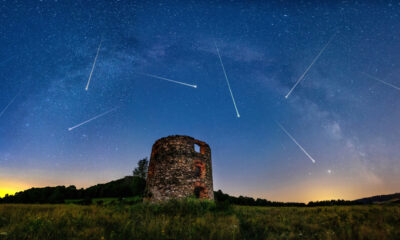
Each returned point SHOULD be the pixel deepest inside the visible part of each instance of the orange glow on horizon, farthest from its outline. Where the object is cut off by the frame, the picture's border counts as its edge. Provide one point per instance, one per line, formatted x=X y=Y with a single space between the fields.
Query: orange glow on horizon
x=3 y=192
x=11 y=188
x=318 y=188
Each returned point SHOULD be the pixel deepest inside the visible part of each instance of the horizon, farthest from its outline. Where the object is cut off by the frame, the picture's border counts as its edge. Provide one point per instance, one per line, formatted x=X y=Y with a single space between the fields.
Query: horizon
x=12 y=193
x=297 y=101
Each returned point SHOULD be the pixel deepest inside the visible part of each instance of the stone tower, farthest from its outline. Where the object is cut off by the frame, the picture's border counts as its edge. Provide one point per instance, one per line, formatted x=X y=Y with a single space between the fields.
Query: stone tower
x=180 y=166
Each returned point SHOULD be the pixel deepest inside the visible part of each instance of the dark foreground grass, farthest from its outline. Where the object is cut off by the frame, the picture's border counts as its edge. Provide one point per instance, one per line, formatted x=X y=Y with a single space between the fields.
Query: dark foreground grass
x=192 y=219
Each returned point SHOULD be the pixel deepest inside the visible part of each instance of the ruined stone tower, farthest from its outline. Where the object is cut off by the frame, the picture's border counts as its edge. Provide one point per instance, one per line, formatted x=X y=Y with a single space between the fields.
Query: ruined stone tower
x=180 y=166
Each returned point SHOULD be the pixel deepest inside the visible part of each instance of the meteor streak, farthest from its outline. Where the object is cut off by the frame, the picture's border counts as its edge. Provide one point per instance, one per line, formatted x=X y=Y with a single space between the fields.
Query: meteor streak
x=94 y=64
x=227 y=81
x=12 y=100
x=386 y=83
x=169 y=80
x=93 y=118
x=312 y=63
x=294 y=140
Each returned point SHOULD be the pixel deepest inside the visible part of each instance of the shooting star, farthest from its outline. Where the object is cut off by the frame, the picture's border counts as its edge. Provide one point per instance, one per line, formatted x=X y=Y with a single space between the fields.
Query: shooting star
x=94 y=64
x=386 y=83
x=169 y=80
x=308 y=68
x=227 y=81
x=294 y=140
x=93 y=118
x=12 y=100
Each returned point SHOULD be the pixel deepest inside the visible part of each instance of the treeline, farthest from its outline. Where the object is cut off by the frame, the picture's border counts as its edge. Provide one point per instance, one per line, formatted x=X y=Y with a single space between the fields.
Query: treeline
x=249 y=201
x=129 y=186
x=132 y=186
x=135 y=186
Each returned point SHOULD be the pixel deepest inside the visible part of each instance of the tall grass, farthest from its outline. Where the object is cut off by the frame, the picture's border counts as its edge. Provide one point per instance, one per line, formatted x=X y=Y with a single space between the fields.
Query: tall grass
x=192 y=219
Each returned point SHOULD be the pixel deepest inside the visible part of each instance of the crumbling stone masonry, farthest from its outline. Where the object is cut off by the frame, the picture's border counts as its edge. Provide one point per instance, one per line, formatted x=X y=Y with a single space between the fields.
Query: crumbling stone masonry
x=180 y=166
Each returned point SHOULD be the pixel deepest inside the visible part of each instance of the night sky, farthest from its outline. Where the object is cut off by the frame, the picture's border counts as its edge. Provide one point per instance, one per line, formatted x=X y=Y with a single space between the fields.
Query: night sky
x=344 y=113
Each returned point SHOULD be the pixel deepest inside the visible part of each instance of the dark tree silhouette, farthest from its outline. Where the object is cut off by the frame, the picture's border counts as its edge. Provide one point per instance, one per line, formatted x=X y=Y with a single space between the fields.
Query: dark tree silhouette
x=129 y=186
x=141 y=169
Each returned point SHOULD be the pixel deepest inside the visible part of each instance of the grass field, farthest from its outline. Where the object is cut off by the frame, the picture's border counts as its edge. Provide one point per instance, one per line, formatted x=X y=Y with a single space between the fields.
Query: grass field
x=191 y=219
x=107 y=201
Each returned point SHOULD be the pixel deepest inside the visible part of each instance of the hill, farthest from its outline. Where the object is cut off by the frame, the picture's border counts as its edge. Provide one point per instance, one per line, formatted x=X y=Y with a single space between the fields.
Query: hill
x=128 y=186
x=389 y=198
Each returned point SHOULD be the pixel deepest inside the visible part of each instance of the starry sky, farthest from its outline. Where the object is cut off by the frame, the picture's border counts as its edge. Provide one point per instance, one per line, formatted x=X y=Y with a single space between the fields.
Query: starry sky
x=344 y=113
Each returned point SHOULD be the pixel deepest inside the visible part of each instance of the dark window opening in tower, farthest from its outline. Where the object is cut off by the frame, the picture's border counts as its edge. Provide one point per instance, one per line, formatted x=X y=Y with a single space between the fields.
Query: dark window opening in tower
x=197 y=171
x=198 y=192
x=197 y=148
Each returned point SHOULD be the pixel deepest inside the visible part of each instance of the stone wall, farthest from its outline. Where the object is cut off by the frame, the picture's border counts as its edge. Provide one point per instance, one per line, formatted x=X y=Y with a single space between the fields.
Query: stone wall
x=176 y=170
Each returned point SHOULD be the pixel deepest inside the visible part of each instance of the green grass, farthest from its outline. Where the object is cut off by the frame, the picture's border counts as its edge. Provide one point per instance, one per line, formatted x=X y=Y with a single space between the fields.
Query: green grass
x=107 y=201
x=192 y=219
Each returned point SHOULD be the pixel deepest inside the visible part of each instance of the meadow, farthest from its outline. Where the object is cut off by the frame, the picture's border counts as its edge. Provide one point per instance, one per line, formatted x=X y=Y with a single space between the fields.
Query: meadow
x=193 y=219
